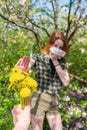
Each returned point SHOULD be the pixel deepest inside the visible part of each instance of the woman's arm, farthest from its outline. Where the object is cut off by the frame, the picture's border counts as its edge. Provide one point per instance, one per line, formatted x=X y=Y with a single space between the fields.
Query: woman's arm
x=63 y=74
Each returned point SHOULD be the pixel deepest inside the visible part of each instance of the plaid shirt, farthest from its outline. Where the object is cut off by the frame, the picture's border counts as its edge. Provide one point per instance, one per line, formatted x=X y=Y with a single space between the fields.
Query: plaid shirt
x=46 y=75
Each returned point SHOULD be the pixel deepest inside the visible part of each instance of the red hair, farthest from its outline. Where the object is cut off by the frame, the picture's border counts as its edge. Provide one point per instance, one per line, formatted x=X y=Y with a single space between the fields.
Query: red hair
x=56 y=35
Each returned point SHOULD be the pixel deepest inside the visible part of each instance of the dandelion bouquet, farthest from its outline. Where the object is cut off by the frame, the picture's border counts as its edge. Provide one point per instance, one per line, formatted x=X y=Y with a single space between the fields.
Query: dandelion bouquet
x=24 y=83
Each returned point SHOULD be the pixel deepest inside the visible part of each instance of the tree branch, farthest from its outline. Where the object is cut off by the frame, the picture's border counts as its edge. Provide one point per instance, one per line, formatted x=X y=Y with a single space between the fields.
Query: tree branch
x=72 y=33
x=36 y=25
x=69 y=21
x=79 y=79
x=24 y=27
x=77 y=8
x=76 y=26
x=55 y=11
x=8 y=48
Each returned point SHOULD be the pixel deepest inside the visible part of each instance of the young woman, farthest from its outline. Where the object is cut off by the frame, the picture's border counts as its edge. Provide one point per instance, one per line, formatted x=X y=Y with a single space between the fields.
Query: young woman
x=51 y=75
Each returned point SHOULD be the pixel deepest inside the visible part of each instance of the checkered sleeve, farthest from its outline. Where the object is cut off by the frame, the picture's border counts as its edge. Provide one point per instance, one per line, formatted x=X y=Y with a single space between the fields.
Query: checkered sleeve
x=63 y=63
x=34 y=56
x=37 y=58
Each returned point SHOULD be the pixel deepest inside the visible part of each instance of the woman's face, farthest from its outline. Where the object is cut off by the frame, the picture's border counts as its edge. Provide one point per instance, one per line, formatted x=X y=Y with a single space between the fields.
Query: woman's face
x=54 y=53
x=58 y=44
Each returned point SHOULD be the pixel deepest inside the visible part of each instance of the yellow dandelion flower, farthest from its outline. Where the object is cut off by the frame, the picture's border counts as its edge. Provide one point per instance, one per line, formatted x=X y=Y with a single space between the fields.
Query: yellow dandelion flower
x=14 y=77
x=34 y=89
x=25 y=92
x=22 y=84
x=31 y=82
x=25 y=73
x=17 y=70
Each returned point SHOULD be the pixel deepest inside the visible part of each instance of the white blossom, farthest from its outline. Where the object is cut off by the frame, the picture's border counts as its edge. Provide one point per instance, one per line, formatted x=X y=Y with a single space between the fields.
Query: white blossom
x=67 y=98
x=84 y=114
x=22 y=2
x=82 y=50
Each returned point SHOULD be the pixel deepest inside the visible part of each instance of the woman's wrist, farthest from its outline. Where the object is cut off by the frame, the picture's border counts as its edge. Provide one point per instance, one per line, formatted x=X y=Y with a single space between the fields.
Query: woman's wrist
x=56 y=63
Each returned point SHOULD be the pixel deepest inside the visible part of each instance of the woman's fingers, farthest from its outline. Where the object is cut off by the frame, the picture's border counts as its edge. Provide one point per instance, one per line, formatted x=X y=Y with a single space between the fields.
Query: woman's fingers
x=19 y=62
x=26 y=61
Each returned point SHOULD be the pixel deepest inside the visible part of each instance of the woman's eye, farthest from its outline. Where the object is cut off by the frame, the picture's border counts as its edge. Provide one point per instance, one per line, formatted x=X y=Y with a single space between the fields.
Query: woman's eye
x=55 y=45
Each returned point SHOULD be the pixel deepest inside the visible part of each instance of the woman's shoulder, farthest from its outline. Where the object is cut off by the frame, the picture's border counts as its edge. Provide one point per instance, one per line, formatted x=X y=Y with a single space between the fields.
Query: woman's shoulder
x=38 y=56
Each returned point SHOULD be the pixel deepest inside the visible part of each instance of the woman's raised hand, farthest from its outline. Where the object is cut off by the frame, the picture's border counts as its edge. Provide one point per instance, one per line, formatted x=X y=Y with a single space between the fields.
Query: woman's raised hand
x=23 y=63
